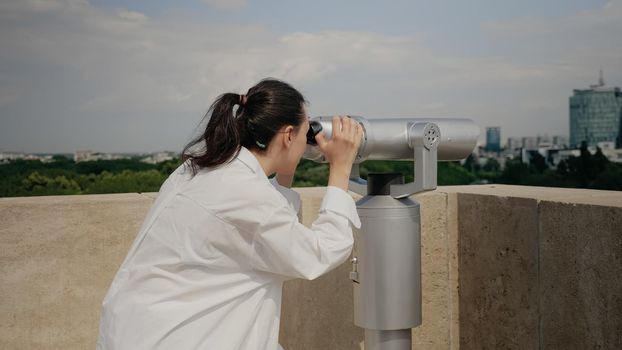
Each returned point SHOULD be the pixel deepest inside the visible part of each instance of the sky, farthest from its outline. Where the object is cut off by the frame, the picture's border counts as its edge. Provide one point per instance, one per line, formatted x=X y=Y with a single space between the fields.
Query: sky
x=139 y=75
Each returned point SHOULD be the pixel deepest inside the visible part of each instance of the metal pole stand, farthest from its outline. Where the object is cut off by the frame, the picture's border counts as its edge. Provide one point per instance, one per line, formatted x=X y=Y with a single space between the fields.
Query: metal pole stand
x=386 y=268
x=400 y=339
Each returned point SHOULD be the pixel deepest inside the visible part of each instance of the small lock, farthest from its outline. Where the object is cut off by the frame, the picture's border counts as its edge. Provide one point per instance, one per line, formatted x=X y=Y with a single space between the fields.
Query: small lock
x=354 y=275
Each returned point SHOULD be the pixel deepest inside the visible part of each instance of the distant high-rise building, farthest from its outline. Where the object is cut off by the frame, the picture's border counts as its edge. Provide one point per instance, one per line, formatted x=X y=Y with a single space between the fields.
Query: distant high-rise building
x=493 y=139
x=530 y=142
x=596 y=114
x=540 y=139
x=514 y=143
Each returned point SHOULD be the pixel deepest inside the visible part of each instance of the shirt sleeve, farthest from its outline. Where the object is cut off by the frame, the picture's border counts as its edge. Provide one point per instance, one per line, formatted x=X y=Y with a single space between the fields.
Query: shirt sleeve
x=293 y=197
x=284 y=246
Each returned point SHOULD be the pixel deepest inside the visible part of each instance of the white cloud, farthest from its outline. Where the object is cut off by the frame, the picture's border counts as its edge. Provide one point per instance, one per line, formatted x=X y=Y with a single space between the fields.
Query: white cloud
x=132 y=16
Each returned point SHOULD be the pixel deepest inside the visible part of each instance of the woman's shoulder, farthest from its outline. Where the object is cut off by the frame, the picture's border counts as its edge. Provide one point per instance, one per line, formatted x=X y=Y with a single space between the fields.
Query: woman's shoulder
x=231 y=188
x=242 y=201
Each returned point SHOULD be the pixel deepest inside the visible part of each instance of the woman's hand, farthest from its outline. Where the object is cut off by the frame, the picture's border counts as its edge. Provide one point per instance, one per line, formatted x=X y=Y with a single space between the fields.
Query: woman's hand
x=341 y=149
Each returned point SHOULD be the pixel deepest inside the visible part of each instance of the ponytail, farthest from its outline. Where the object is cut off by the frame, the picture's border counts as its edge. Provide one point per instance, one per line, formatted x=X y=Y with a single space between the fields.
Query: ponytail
x=267 y=107
x=221 y=137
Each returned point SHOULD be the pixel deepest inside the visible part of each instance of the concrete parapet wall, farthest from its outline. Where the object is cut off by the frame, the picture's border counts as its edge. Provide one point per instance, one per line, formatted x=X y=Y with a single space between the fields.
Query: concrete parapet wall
x=503 y=267
x=540 y=268
x=58 y=255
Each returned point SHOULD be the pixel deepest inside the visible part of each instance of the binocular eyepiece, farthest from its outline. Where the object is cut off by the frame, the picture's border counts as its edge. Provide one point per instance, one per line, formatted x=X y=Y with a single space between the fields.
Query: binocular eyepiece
x=315 y=128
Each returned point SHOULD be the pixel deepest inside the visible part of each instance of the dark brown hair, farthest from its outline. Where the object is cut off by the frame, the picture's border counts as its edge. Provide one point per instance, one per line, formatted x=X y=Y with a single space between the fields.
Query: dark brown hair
x=268 y=106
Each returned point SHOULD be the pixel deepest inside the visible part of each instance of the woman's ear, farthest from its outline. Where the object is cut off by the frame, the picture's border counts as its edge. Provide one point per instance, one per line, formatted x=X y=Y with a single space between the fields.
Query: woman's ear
x=288 y=135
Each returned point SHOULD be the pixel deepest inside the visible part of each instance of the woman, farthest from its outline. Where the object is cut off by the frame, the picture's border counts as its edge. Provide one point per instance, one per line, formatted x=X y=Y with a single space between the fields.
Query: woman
x=207 y=268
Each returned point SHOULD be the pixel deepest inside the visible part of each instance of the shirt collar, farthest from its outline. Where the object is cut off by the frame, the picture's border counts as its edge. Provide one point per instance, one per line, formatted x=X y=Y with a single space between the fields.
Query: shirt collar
x=248 y=158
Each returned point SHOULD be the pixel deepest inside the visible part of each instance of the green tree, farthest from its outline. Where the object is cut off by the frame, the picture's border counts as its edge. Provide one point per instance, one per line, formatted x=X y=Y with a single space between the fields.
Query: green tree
x=309 y=174
x=168 y=166
x=39 y=185
x=127 y=181
x=112 y=166
x=609 y=179
x=471 y=164
x=590 y=171
x=514 y=172
x=492 y=165
x=451 y=173
x=537 y=163
x=35 y=182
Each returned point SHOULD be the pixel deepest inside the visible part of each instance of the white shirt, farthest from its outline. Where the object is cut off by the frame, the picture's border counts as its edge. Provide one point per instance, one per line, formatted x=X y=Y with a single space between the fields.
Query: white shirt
x=207 y=267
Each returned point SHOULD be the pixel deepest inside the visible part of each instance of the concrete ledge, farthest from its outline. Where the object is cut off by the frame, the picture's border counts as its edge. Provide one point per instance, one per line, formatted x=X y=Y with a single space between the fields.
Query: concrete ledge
x=549 y=194
x=507 y=267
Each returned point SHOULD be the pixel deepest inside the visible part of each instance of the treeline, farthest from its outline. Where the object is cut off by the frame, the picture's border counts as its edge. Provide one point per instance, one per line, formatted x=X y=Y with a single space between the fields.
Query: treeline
x=593 y=171
x=63 y=176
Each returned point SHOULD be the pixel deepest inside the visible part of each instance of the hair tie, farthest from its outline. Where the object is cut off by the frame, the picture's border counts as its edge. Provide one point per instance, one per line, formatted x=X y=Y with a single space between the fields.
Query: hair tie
x=252 y=129
x=260 y=145
x=242 y=100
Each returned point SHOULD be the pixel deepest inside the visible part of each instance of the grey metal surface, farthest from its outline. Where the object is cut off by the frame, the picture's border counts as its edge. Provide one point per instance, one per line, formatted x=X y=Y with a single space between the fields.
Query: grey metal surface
x=387 y=293
x=388 y=340
x=388 y=138
x=423 y=138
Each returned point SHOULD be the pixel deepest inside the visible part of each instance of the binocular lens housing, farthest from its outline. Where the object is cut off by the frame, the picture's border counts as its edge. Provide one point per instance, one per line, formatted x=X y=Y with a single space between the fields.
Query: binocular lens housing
x=390 y=138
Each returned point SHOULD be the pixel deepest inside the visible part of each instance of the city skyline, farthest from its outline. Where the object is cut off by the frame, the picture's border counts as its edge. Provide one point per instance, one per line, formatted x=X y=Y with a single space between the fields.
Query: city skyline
x=138 y=76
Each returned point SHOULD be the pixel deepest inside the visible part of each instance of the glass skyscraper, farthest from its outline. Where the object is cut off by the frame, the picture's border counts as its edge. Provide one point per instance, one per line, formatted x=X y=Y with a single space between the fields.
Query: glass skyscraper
x=493 y=139
x=596 y=115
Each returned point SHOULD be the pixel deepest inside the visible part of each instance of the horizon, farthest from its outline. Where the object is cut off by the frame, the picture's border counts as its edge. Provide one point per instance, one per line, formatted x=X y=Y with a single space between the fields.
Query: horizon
x=480 y=143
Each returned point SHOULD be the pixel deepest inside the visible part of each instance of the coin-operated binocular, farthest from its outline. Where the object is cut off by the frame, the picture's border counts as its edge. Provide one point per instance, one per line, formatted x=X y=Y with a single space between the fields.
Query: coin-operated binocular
x=386 y=263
